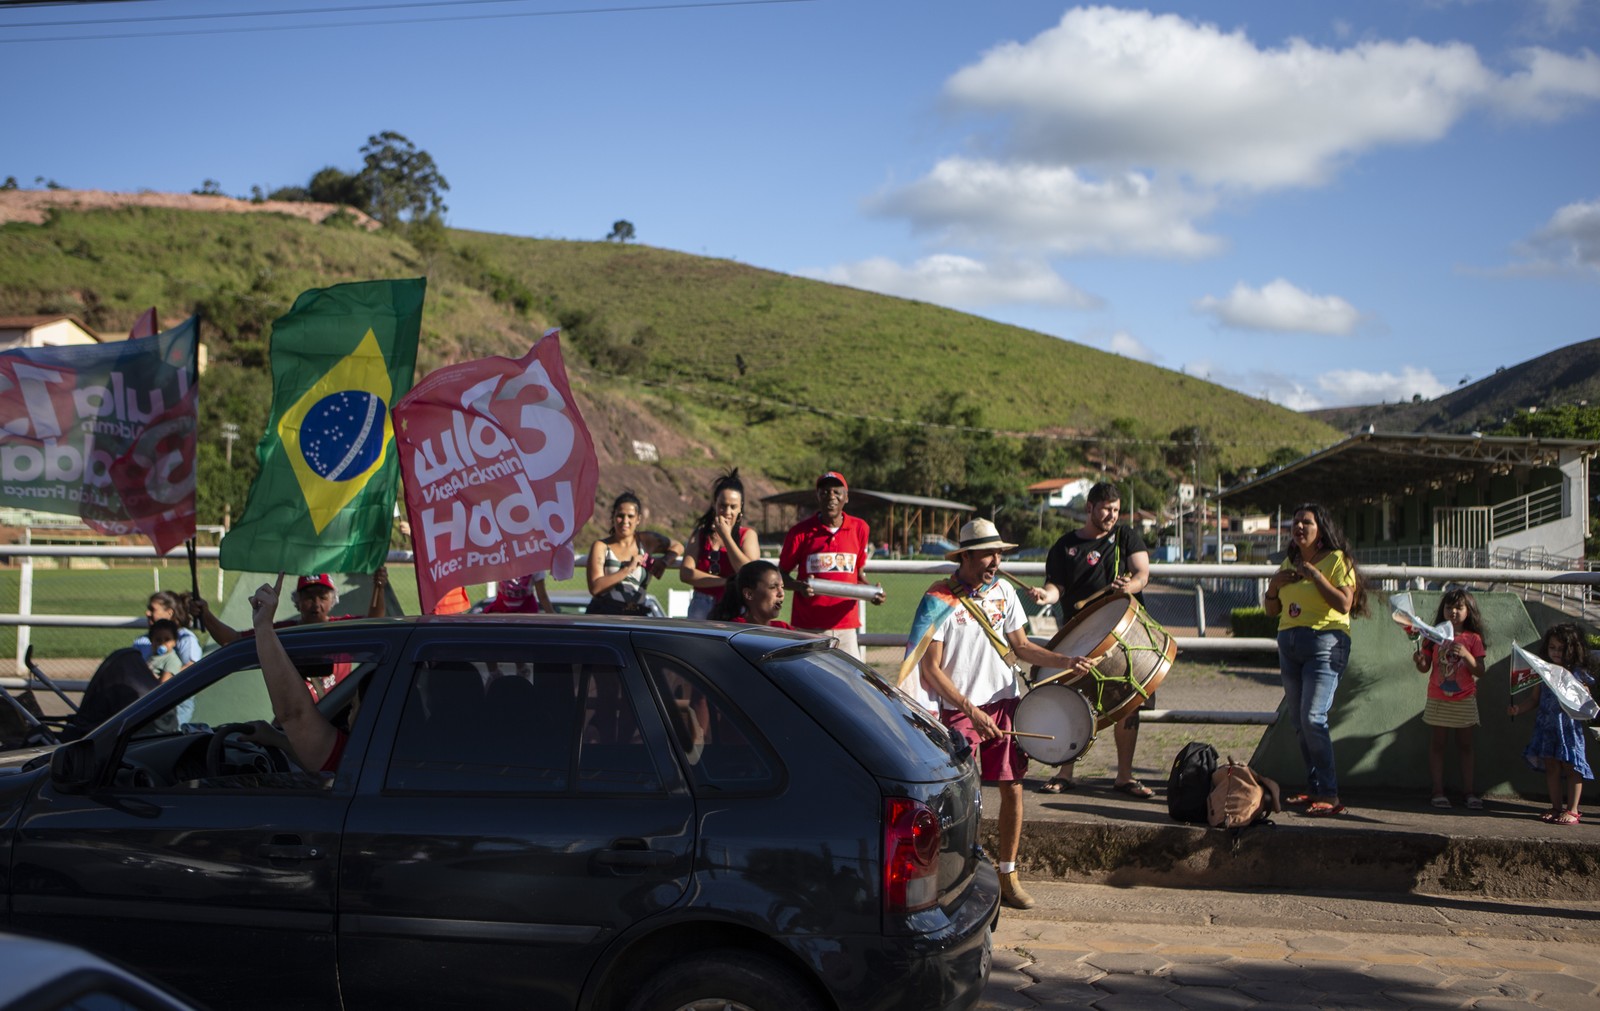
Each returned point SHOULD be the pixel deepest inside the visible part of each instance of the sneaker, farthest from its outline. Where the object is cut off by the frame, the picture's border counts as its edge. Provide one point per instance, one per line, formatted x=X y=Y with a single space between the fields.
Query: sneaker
x=1442 y=801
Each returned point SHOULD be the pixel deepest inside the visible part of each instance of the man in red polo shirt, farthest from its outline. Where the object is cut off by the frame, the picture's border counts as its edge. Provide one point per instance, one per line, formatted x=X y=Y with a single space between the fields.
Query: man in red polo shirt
x=828 y=546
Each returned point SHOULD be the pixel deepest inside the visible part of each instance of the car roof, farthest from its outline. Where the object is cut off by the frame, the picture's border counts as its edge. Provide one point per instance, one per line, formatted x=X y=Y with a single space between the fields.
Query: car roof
x=678 y=626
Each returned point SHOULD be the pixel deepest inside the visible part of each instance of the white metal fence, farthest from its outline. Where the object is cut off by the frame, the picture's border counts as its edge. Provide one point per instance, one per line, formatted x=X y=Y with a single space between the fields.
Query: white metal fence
x=1215 y=589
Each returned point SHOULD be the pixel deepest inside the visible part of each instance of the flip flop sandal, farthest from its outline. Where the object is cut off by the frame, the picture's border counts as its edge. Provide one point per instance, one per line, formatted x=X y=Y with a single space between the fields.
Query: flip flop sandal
x=1323 y=809
x=1440 y=801
x=1297 y=800
x=1550 y=815
x=1474 y=802
x=1134 y=788
x=1566 y=818
x=1057 y=786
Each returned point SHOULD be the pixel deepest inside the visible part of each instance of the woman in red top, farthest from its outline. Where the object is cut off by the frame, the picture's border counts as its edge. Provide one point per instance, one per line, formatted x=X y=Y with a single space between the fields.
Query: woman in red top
x=721 y=545
x=757 y=597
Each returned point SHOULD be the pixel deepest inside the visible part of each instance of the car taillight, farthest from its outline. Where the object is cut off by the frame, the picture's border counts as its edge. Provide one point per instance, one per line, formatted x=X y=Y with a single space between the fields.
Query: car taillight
x=910 y=856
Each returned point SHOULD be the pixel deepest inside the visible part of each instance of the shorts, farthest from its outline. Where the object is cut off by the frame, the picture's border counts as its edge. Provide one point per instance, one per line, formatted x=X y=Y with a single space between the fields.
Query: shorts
x=1000 y=760
x=1451 y=712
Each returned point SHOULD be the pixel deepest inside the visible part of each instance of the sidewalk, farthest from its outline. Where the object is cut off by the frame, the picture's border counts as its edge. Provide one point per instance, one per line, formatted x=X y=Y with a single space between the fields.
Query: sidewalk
x=1393 y=844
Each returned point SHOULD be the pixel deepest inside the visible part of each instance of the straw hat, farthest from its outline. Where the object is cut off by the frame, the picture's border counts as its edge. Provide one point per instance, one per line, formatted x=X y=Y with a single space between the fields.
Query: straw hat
x=978 y=535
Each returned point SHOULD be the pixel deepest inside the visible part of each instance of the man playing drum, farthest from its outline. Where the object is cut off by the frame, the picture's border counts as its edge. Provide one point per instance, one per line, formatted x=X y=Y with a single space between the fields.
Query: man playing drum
x=1099 y=557
x=970 y=633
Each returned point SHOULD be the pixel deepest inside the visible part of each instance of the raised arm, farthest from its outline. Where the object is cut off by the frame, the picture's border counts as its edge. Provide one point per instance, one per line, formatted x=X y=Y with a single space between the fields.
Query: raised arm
x=311 y=737
x=214 y=626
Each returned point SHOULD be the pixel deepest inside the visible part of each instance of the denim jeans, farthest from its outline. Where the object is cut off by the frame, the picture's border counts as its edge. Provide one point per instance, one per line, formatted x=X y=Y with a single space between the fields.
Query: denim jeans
x=700 y=606
x=1310 y=663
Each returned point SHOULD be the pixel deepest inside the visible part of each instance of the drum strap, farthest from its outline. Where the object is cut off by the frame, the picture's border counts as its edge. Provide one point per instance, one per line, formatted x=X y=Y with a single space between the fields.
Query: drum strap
x=1002 y=647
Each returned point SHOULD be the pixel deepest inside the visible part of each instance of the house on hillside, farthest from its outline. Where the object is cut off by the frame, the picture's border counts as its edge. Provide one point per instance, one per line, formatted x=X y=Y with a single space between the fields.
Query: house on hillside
x=1062 y=492
x=43 y=332
x=1427 y=499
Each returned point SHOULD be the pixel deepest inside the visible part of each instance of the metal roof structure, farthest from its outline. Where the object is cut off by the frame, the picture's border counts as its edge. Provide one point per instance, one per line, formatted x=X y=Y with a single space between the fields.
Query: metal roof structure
x=907 y=525
x=808 y=497
x=1374 y=464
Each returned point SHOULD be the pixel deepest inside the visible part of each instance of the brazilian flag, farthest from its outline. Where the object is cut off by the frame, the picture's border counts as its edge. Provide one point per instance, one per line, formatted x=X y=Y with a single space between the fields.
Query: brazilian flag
x=324 y=499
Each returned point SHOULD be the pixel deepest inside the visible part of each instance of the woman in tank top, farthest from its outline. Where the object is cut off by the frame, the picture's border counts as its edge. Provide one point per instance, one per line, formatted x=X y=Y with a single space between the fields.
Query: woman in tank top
x=721 y=546
x=621 y=565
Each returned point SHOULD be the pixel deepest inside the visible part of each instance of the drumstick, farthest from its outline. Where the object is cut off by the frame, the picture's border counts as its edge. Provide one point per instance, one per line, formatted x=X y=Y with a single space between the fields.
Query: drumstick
x=1023 y=733
x=1014 y=580
x=1061 y=674
x=1096 y=594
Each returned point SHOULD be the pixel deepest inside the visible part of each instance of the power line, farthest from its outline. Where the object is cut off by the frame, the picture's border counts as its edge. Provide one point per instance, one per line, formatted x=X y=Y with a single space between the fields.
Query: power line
x=565 y=12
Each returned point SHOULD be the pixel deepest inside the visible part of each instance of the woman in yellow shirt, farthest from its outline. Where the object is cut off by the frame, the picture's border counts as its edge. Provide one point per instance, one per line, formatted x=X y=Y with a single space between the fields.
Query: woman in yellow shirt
x=1314 y=595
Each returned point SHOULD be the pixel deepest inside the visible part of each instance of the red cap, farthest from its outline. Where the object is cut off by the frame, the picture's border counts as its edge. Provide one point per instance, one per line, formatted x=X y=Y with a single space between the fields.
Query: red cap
x=834 y=475
x=320 y=579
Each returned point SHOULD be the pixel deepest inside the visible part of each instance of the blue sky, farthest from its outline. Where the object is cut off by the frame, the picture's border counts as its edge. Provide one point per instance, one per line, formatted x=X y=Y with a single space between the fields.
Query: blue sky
x=1320 y=204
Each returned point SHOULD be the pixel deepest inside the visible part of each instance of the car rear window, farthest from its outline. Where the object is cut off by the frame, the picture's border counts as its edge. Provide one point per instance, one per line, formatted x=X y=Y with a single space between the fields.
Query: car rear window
x=877 y=722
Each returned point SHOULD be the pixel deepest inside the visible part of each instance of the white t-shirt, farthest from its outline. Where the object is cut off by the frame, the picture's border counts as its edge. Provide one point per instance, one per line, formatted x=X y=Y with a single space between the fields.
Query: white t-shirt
x=970 y=658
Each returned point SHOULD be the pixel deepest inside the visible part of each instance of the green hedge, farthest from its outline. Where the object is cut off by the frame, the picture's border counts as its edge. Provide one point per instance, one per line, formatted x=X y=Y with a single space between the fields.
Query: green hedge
x=1254 y=623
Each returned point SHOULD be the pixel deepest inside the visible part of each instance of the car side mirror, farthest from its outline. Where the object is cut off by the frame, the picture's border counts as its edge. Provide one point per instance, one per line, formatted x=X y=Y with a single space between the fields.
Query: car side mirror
x=73 y=768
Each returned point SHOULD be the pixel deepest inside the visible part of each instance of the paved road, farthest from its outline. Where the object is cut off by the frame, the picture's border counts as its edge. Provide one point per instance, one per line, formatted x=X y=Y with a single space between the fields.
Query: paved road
x=1148 y=948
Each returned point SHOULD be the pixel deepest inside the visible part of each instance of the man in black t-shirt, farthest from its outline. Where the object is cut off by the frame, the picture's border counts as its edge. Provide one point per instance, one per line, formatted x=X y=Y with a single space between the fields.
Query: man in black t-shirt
x=1097 y=555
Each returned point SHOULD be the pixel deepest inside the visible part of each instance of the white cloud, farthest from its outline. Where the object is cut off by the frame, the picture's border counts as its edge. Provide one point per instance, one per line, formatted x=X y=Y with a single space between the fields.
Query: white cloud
x=1355 y=386
x=1280 y=307
x=1335 y=388
x=1112 y=90
x=1571 y=238
x=1550 y=86
x=1126 y=344
x=960 y=281
x=1051 y=209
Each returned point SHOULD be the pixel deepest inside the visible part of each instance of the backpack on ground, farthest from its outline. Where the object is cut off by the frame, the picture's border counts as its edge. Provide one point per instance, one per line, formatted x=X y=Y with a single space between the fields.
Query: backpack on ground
x=1240 y=797
x=1190 y=782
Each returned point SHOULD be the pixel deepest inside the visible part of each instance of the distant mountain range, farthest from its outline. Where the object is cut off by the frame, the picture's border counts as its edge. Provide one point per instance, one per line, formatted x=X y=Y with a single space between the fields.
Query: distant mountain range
x=1569 y=375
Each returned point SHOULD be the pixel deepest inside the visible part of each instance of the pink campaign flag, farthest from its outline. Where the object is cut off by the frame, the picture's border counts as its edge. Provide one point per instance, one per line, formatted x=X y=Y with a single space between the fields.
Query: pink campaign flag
x=499 y=470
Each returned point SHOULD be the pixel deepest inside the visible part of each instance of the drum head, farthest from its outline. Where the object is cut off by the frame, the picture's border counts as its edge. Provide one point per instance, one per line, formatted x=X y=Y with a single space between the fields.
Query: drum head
x=1060 y=712
x=1089 y=632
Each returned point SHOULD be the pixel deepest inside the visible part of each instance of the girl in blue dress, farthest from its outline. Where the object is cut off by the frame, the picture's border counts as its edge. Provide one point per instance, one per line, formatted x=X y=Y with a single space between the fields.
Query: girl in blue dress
x=1558 y=745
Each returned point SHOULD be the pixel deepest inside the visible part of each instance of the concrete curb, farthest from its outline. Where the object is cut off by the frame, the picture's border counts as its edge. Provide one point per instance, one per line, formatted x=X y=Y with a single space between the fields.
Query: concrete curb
x=1380 y=846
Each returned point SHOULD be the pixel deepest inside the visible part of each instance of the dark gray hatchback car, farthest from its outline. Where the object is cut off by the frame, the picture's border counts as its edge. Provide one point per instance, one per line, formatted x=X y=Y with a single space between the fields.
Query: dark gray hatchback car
x=541 y=812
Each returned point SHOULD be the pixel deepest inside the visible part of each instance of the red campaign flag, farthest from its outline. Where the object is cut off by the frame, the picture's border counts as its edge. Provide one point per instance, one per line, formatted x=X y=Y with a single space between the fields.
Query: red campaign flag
x=146 y=325
x=499 y=469
x=155 y=479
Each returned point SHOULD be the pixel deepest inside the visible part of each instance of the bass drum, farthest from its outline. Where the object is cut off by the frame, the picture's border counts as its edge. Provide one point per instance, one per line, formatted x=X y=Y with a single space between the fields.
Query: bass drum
x=1130 y=650
x=1060 y=713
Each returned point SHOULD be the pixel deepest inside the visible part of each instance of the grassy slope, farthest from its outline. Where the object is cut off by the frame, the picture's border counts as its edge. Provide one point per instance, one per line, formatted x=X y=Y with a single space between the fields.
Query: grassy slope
x=815 y=344
x=682 y=319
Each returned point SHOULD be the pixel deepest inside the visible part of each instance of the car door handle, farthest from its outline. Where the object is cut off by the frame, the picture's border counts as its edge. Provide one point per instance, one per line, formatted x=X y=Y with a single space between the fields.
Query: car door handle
x=633 y=854
x=288 y=848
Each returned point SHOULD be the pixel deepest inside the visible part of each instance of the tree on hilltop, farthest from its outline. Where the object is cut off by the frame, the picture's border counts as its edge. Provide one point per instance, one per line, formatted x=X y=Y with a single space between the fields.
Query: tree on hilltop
x=621 y=231
x=336 y=186
x=402 y=182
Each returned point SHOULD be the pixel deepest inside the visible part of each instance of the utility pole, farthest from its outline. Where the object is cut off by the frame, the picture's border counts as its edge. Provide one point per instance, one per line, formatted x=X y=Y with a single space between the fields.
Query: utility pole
x=230 y=432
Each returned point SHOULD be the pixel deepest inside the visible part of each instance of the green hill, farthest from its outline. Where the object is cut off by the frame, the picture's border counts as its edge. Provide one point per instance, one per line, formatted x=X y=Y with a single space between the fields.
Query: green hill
x=1568 y=375
x=715 y=362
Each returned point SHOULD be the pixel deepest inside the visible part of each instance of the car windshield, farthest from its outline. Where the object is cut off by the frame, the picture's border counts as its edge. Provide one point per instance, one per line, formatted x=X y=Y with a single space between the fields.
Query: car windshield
x=889 y=734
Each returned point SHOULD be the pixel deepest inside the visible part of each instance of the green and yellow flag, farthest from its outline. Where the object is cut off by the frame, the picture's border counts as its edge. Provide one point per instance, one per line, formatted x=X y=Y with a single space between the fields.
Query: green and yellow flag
x=324 y=499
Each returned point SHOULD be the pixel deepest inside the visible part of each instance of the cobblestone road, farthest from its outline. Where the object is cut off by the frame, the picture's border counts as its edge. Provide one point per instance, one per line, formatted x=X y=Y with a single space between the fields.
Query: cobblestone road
x=1233 y=950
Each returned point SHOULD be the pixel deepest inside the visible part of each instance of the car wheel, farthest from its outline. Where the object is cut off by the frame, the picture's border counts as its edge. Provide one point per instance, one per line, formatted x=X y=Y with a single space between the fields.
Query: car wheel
x=725 y=980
